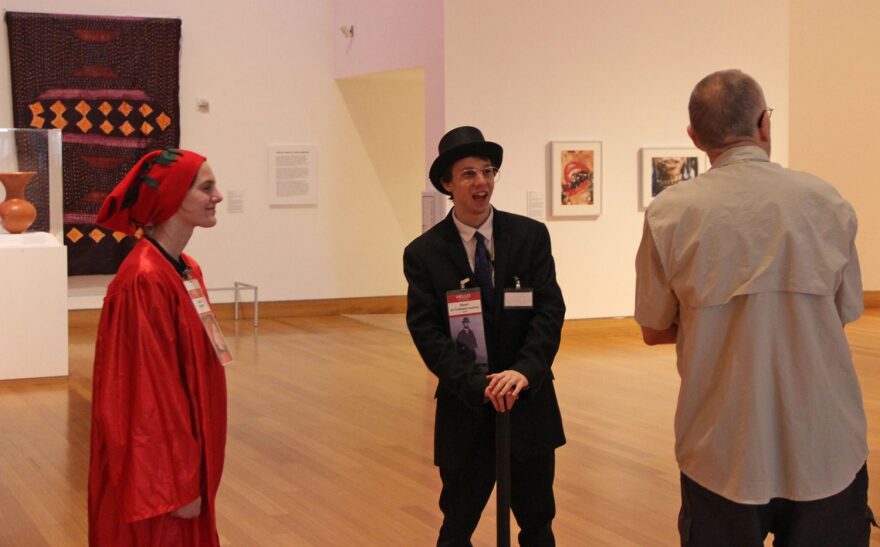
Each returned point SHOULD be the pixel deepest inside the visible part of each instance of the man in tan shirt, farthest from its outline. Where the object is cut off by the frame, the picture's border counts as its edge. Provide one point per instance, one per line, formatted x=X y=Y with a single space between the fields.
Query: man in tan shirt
x=752 y=271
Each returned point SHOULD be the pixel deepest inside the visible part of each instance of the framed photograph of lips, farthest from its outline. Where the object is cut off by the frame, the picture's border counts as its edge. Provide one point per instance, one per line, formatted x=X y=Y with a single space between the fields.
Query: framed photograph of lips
x=575 y=188
x=665 y=167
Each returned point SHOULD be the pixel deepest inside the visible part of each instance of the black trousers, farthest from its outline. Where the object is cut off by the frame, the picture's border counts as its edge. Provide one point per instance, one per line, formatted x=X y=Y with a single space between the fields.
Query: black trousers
x=842 y=520
x=467 y=489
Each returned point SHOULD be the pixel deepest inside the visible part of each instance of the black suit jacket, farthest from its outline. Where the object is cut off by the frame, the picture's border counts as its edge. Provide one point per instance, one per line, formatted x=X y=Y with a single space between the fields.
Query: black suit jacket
x=523 y=340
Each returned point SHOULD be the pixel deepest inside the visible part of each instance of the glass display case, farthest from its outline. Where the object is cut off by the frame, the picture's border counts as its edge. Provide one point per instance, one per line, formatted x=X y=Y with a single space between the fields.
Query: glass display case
x=30 y=180
x=33 y=277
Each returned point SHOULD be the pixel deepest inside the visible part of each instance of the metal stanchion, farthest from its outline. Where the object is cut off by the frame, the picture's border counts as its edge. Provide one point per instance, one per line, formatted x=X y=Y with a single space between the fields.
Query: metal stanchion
x=236 y=288
x=502 y=474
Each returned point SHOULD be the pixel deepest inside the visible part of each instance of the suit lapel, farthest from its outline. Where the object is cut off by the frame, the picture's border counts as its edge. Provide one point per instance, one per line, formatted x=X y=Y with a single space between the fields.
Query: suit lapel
x=501 y=233
x=455 y=249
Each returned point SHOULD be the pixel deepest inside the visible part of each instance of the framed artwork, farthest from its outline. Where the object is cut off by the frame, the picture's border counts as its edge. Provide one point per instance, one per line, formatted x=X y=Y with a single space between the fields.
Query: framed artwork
x=575 y=187
x=665 y=167
x=110 y=85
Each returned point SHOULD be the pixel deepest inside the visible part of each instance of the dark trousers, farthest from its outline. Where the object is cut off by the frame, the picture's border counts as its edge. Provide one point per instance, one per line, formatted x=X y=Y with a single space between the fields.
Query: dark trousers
x=467 y=489
x=842 y=520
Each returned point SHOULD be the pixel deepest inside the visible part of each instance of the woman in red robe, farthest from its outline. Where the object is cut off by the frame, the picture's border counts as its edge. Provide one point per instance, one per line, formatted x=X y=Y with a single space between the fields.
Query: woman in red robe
x=159 y=392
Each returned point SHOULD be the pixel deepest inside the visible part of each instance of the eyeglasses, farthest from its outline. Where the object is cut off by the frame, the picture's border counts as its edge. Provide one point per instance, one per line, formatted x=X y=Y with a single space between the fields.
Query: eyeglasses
x=489 y=173
x=768 y=111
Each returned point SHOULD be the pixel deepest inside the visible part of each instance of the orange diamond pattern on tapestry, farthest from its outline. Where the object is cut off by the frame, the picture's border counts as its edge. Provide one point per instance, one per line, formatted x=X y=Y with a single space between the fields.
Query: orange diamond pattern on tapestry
x=36 y=109
x=84 y=124
x=58 y=108
x=163 y=120
x=144 y=121
x=74 y=235
x=96 y=235
x=119 y=236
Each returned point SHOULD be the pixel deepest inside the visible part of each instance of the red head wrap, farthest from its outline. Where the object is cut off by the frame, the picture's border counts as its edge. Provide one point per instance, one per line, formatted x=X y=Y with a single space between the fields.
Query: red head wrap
x=152 y=191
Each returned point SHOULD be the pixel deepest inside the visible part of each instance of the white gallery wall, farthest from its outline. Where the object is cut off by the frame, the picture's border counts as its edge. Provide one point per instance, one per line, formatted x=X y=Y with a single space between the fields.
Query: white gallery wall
x=267 y=69
x=528 y=73
x=390 y=35
x=835 y=112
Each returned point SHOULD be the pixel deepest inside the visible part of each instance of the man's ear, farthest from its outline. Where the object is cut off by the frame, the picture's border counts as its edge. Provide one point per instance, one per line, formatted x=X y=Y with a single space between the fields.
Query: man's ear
x=764 y=129
x=693 y=135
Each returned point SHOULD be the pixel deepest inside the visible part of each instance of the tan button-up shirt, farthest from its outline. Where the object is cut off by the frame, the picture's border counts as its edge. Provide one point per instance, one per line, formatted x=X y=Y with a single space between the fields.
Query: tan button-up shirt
x=758 y=266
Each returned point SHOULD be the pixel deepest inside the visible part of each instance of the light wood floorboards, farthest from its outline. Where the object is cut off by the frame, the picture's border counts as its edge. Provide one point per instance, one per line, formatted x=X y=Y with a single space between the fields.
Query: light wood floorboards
x=330 y=436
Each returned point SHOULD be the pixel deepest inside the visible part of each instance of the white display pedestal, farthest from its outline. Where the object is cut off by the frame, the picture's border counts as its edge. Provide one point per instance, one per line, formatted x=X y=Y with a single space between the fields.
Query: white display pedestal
x=33 y=306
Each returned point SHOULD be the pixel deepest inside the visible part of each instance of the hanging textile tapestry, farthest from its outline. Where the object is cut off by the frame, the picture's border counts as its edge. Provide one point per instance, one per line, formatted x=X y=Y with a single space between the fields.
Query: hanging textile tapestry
x=111 y=85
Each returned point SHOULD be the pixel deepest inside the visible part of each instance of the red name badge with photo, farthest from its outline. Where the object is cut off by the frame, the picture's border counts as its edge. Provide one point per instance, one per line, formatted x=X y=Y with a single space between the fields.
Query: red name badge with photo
x=466 y=326
x=209 y=322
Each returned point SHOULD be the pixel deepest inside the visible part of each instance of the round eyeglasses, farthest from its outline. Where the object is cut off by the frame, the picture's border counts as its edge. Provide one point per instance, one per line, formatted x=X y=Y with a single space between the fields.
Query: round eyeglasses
x=489 y=173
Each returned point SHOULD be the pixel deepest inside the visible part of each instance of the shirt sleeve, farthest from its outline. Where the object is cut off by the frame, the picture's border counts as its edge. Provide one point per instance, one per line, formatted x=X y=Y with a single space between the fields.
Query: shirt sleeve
x=656 y=304
x=849 y=298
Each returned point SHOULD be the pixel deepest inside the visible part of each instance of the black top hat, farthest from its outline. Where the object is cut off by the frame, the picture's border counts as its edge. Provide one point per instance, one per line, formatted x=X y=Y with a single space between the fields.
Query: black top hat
x=459 y=143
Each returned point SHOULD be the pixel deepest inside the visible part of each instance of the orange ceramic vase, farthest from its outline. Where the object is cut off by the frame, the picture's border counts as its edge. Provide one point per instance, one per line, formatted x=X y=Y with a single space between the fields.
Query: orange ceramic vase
x=16 y=213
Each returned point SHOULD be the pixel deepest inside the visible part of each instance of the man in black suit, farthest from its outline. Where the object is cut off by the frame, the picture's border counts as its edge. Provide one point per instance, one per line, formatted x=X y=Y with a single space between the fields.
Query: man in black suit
x=508 y=257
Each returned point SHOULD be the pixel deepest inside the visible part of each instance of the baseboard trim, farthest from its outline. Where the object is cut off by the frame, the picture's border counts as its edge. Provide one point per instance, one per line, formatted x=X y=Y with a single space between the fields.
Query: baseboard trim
x=286 y=308
x=329 y=306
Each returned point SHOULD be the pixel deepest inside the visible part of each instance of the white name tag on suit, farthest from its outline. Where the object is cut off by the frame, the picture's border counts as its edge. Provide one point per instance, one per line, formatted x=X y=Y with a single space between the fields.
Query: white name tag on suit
x=518 y=299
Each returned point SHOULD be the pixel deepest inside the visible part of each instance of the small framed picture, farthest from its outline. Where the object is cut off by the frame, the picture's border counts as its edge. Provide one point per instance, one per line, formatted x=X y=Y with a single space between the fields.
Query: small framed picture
x=575 y=188
x=665 y=167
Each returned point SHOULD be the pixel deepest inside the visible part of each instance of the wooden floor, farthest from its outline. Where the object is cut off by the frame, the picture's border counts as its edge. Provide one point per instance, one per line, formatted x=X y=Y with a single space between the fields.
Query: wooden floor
x=330 y=437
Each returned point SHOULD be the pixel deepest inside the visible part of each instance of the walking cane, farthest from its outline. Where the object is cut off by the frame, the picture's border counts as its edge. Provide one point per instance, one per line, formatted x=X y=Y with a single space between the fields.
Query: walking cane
x=502 y=474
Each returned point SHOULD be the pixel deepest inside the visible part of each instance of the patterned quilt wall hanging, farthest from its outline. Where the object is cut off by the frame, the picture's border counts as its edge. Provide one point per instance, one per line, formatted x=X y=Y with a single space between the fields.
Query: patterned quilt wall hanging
x=111 y=85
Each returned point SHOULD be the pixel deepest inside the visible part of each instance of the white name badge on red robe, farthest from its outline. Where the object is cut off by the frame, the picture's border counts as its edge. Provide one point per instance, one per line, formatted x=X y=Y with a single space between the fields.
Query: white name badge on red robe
x=209 y=322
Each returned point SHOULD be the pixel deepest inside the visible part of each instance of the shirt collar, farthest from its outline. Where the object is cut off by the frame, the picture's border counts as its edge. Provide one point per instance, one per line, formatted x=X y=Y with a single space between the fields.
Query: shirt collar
x=741 y=153
x=467 y=232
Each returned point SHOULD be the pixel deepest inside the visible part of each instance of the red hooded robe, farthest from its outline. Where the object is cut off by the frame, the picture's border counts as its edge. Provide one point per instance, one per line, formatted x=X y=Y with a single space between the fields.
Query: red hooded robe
x=158 y=411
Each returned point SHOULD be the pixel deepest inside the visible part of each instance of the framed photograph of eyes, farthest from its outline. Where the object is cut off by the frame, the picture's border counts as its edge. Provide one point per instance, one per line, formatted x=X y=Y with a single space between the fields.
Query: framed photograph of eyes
x=575 y=187
x=665 y=167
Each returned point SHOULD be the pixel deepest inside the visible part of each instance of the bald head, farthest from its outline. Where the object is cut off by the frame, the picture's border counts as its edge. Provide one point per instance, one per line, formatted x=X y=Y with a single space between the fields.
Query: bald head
x=725 y=107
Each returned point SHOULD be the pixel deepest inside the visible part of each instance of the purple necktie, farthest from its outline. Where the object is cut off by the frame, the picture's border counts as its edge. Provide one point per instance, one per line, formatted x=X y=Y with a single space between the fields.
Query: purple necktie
x=483 y=271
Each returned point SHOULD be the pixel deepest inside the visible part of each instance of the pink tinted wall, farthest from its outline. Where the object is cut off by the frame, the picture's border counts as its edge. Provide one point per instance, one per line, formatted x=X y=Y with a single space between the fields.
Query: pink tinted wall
x=391 y=35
